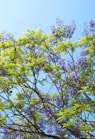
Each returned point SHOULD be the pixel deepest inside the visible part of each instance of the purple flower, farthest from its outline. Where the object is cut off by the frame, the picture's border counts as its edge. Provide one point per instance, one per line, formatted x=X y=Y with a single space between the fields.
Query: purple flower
x=41 y=122
x=89 y=82
x=58 y=101
x=58 y=128
x=55 y=58
x=81 y=60
x=66 y=76
x=18 y=136
x=71 y=90
x=74 y=76
x=69 y=30
x=6 y=36
x=49 y=74
x=53 y=29
x=82 y=53
x=46 y=112
x=92 y=24
x=90 y=29
x=59 y=23
x=50 y=130
x=6 y=130
x=70 y=65
x=62 y=64
x=66 y=30
x=85 y=32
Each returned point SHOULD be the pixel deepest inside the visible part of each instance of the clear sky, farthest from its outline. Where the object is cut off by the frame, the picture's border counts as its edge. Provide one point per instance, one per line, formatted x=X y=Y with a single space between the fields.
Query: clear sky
x=18 y=15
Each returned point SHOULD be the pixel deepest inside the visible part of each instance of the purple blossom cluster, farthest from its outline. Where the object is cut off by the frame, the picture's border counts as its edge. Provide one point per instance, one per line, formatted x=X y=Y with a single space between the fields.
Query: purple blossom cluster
x=6 y=36
x=90 y=28
x=66 y=31
x=62 y=64
x=69 y=30
x=74 y=76
x=81 y=60
x=73 y=79
x=50 y=130
x=58 y=101
x=59 y=23
x=55 y=57
x=70 y=65
x=71 y=90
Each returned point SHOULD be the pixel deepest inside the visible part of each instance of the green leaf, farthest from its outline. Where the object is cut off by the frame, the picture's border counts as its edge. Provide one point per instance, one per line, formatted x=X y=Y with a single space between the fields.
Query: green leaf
x=10 y=104
x=2 y=118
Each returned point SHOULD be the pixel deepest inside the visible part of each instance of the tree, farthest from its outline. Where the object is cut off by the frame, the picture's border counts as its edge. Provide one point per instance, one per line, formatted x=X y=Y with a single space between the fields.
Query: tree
x=44 y=94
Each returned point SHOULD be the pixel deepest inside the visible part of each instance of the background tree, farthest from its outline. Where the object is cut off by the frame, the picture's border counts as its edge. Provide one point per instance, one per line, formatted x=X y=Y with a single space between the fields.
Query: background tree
x=43 y=94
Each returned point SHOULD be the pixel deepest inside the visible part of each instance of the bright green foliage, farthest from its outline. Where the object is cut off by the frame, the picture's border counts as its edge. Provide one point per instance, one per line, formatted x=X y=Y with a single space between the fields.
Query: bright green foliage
x=43 y=95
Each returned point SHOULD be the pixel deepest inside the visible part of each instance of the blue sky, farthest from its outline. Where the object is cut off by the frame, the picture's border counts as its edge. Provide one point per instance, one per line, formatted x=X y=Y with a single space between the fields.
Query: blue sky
x=18 y=15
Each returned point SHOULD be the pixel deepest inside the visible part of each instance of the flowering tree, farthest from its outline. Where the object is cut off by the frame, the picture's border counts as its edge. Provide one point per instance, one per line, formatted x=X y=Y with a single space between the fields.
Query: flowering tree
x=43 y=94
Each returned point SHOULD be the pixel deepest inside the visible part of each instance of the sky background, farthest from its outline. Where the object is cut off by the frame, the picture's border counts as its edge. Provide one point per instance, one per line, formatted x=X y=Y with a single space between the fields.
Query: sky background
x=18 y=15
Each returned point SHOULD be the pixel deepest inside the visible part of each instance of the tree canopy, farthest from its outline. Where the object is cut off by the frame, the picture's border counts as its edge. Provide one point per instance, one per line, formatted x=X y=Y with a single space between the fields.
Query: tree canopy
x=46 y=92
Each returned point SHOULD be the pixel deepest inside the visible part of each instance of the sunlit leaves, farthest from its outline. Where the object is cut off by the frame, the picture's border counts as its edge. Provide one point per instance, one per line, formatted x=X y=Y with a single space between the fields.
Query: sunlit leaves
x=2 y=119
x=42 y=91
